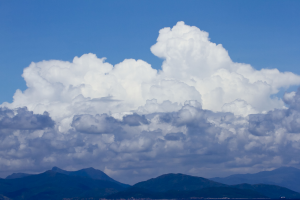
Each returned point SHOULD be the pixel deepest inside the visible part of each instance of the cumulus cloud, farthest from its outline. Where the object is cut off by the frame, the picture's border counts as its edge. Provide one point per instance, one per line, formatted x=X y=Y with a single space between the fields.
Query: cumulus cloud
x=194 y=68
x=95 y=124
x=191 y=140
x=201 y=114
x=23 y=119
x=191 y=57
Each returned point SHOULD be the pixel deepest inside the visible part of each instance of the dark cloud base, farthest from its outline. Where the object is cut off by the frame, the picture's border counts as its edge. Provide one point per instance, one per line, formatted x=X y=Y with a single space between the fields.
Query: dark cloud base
x=192 y=141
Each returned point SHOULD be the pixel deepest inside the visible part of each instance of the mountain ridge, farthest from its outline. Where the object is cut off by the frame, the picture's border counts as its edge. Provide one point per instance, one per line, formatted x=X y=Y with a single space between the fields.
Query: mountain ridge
x=90 y=183
x=54 y=185
x=17 y=175
x=284 y=176
x=177 y=182
x=86 y=172
x=169 y=186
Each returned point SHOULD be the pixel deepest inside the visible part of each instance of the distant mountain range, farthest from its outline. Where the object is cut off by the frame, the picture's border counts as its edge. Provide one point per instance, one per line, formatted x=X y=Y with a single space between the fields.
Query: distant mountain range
x=171 y=186
x=87 y=172
x=288 y=177
x=58 y=184
x=90 y=183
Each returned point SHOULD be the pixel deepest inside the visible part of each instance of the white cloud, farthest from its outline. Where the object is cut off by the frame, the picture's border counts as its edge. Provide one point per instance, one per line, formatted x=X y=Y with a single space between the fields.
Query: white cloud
x=192 y=58
x=130 y=119
x=239 y=107
x=194 y=69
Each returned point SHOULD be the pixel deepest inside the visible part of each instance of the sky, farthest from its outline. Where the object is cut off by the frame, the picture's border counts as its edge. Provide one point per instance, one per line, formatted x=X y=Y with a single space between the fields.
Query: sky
x=142 y=88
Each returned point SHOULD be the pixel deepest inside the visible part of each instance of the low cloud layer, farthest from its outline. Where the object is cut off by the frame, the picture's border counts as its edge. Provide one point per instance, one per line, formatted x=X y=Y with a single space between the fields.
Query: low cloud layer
x=202 y=114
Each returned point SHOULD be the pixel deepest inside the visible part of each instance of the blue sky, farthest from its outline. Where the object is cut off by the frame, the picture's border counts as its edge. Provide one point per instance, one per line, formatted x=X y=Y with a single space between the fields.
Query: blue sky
x=264 y=34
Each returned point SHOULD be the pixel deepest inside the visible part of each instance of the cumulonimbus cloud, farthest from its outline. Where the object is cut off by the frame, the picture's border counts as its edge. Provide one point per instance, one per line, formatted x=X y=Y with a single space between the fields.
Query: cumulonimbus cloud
x=194 y=68
x=200 y=112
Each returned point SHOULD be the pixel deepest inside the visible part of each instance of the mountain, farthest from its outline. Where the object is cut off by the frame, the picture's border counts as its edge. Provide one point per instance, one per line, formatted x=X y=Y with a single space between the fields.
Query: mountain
x=17 y=175
x=210 y=192
x=288 y=177
x=177 y=182
x=271 y=191
x=52 y=185
x=89 y=173
x=57 y=184
x=185 y=186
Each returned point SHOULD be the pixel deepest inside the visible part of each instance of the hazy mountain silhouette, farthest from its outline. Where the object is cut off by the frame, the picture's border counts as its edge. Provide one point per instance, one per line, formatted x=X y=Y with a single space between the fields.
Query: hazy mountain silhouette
x=88 y=173
x=90 y=183
x=177 y=182
x=53 y=185
x=17 y=175
x=288 y=177
x=178 y=186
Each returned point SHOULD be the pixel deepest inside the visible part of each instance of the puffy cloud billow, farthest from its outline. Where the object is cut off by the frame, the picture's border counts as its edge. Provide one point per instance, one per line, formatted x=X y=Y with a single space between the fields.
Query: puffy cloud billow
x=202 y=114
